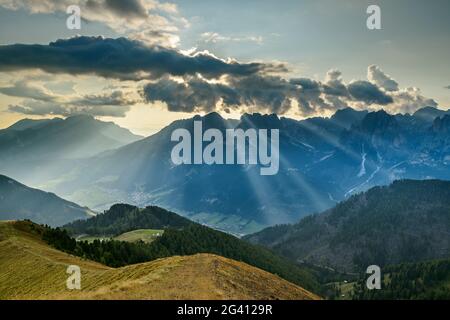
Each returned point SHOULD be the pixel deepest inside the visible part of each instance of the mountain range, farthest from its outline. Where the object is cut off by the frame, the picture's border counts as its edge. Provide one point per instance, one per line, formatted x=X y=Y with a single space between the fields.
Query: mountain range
x=32 y=151
x=322 y=161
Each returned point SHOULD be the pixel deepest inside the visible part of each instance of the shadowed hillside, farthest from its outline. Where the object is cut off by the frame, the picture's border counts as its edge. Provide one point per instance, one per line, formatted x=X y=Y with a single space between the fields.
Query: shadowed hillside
x=407 y=221
x=18 y=201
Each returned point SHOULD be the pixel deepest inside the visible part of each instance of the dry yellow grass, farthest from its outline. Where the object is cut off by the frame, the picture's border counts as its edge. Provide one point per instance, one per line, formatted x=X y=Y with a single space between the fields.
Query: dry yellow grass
x=30 y=269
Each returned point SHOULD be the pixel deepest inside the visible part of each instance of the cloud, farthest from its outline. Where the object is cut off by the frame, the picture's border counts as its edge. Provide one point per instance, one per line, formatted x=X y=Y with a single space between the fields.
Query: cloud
x=409 y=100
x=369 y=93
x=34 y=107
x=138 y=19
x=38 y=100
x=214 y=37
x=26 y=89
x=132 y=8
x=101 y=111
x=275 y=94
x=41 y=108
x=193 y=81
x=376 y=76
x=115 y=98
x=193 y=95
x=120 y=58
x=271 y=94
x=334 y=85
x=60 y=86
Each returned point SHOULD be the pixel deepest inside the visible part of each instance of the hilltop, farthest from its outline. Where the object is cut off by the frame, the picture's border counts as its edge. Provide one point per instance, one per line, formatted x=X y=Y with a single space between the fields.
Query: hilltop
x=31 y=269
x=180 y=237
x=121 y=218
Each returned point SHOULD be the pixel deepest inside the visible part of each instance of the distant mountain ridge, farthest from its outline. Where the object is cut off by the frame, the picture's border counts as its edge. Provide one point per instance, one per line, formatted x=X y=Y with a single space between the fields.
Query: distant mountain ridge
x=18 y=201
x=33 y=150
x=407 y=221
x=32 y=123
x=429 y=114
x=323 y=161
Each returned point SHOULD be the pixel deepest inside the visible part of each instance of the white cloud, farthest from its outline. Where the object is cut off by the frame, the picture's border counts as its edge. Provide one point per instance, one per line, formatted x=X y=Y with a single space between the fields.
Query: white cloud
x=26 y=89
x=378 y=77
x=147 y=20
x=409 y=100
x=39 y=100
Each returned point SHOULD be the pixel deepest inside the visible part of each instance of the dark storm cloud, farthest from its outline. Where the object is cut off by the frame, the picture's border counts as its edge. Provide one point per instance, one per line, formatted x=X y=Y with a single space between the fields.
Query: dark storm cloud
x=369 y=93
x=127 y=8
x=306 y=84
x=118 y=58
x=269 y=93
x=266 y=93
x=335 y=88
x=188 y=97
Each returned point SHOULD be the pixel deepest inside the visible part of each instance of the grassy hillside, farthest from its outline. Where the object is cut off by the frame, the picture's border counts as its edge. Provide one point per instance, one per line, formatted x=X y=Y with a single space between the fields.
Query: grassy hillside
x=30 y=269
x=18 y=201
x=407 y=221
x=180 y=237
x=145 y=235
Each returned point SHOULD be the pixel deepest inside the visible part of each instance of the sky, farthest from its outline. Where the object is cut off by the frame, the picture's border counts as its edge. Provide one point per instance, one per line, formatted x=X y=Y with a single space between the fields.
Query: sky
x=145 y=63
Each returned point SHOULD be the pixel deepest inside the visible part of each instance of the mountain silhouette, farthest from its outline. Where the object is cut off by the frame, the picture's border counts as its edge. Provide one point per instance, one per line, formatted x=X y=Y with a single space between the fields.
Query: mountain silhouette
x=33 y=150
